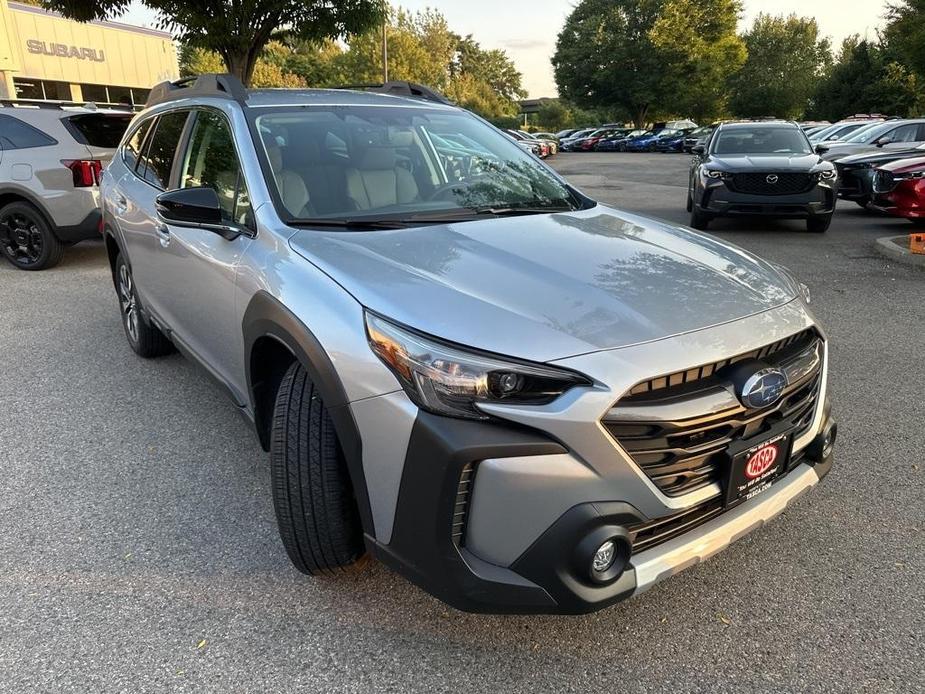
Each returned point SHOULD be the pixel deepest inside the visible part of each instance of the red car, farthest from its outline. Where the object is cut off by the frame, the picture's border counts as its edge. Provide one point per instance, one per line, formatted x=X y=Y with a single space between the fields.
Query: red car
x=899 y=189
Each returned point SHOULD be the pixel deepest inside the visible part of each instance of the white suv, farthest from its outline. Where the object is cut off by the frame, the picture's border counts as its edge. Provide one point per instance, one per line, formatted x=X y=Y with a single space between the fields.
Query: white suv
x=51 y=160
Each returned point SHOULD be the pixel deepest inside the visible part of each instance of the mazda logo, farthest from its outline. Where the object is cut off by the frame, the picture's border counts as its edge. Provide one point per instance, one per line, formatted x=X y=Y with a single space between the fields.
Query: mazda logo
x=763 y=388
x=772 y=179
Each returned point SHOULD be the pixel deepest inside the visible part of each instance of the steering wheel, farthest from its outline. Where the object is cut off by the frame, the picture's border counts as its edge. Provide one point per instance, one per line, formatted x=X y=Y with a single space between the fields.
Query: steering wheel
x=441 y=191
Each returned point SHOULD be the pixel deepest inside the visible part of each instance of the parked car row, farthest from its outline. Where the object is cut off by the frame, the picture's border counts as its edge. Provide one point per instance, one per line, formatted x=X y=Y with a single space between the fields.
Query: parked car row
x=541 y=145
x=662 y=137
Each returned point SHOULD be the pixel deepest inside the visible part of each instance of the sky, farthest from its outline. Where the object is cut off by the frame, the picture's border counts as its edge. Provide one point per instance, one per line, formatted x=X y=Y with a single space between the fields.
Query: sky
x=527 y=30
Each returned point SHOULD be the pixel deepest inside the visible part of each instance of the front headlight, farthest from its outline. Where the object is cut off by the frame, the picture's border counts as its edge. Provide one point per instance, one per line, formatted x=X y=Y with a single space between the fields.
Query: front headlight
x=830 y=175
x=453 y=381
x=909 y=176
x=714 y=174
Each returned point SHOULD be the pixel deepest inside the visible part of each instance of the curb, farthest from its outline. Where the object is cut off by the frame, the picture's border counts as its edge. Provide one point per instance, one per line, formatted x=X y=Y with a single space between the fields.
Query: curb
x=887 y=247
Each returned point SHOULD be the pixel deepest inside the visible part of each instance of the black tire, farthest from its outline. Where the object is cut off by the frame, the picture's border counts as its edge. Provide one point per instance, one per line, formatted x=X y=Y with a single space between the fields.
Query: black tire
x=700 y=220
x=819 y=225
x=690 y=201
x=143 y=337
x=863 y=202
x=26 y=238
x=316 y=510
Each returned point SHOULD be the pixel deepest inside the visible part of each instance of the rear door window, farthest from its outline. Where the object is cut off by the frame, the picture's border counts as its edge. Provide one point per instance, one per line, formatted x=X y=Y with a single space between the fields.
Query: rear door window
x=15 y=134
x=905 y=133
x=160 y=153
x=132 y=150
x=98 y=129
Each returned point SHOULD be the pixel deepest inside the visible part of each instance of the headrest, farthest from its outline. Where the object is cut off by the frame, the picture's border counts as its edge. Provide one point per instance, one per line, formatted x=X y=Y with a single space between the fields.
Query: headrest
x=377 y=159
x=401 y=137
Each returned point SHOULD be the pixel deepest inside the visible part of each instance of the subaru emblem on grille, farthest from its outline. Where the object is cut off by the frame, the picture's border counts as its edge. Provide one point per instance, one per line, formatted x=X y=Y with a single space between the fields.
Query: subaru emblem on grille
x=763 y=388
x=772 y=179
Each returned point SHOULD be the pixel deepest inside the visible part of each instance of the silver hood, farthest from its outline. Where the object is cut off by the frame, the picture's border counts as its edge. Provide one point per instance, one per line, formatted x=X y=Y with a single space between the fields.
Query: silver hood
x=545 y=287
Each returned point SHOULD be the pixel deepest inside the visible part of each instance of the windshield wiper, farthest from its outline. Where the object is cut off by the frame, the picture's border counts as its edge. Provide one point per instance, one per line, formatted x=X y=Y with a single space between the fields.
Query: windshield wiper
x=360 y=224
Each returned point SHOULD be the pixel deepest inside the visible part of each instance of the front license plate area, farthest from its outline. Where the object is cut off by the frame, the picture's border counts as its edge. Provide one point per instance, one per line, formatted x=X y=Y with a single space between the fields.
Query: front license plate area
x=754 y=466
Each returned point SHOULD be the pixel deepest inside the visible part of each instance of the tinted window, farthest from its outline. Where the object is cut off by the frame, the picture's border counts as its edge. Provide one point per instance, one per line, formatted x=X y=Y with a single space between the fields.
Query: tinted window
x=98 y=129
x=905 y=133
x=212 y=161
x=160 y=153
x=14 y=134
x=133 y=147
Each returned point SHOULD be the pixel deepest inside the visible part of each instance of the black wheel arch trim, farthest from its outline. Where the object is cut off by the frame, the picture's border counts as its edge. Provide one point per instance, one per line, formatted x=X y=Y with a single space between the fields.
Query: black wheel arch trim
x=266 y=317
x=36 y=202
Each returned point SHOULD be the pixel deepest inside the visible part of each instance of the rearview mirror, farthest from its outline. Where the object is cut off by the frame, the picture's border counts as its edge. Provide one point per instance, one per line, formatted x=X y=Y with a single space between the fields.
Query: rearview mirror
x=196 y=208
x=698 y=149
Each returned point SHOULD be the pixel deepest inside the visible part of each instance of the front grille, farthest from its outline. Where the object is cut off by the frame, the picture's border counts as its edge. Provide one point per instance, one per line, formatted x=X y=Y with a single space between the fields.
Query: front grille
x=760 y=183
x=884 y=182
x=651 y=533
x=677 y=427
x=461 y=507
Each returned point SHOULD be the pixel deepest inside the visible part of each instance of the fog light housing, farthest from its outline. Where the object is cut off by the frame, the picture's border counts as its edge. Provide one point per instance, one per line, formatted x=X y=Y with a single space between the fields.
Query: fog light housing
x=603 y=554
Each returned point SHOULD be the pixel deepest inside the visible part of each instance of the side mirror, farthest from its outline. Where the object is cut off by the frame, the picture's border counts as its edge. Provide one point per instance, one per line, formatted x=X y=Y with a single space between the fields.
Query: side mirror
x=196 y=208
x=821 y=149
x=883 y=141
x=698 y=149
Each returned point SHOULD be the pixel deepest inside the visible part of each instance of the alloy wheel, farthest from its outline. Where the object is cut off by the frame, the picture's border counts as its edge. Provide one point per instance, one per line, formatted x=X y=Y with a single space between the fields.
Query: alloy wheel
x=22 y=239
x=128 y=303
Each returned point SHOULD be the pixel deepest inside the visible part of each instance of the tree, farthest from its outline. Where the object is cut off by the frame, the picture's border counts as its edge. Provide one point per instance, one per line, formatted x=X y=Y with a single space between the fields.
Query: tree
x=648 y=57
x=786 y=59
x=904 y=34
x=698 y=40
x=269 y=71
x=866 y=78
x=239 y=31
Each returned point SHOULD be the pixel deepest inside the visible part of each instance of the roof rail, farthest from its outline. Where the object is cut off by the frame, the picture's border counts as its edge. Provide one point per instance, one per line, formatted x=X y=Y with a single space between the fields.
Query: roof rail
x=225 y=86
x=399 y=88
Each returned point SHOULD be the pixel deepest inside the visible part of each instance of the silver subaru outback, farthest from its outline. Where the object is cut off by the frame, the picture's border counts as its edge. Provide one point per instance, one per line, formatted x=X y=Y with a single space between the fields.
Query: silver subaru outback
x=519 y=398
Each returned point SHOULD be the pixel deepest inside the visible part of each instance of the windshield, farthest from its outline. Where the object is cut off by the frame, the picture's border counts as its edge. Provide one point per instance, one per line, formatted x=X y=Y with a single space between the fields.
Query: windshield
x=870 y=133
x=359 y=164
x=761 y=140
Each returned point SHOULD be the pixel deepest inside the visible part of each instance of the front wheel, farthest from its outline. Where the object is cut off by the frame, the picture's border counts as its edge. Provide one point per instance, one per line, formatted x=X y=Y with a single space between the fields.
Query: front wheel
x=26 y=239
x=315 y=506
x=819 y=225
x=699 y=220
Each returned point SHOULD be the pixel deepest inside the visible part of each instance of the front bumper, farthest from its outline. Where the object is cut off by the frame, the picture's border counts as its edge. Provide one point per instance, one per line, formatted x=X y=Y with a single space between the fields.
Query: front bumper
x=856 y=185
x=718 y=200
x=547 y=578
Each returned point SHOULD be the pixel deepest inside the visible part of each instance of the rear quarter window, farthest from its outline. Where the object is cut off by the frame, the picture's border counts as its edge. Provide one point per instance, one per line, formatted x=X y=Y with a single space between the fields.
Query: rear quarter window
x=16 y=134
x=98 y=129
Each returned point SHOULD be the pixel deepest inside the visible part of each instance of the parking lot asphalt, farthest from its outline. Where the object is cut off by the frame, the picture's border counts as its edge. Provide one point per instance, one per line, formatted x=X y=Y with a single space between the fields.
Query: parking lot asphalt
x=138 y=547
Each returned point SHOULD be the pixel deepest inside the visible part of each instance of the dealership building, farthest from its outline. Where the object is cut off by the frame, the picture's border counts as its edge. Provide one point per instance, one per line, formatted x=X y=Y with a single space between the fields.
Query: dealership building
x=45 y=57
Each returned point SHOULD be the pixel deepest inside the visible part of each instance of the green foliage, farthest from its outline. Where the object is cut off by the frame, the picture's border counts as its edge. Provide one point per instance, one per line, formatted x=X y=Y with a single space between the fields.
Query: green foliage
x=786 y=58
x=238 y=31
x=866 y=79
x=904 y=34
x=648 y=57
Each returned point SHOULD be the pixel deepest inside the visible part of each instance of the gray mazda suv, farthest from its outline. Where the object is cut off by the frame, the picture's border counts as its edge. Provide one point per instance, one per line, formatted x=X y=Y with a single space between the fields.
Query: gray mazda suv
x=520 y=399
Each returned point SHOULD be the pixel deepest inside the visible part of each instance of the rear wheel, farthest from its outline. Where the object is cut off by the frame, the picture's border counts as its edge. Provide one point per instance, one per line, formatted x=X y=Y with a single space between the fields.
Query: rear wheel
x=819 y=225
x=699 y=220
x=144 y=339
x=26 y=239
x=315 y=507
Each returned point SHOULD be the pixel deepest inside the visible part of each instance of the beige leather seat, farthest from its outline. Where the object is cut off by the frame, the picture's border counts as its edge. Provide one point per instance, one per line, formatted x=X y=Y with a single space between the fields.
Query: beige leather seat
x=378 y=181
x=291 y=186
